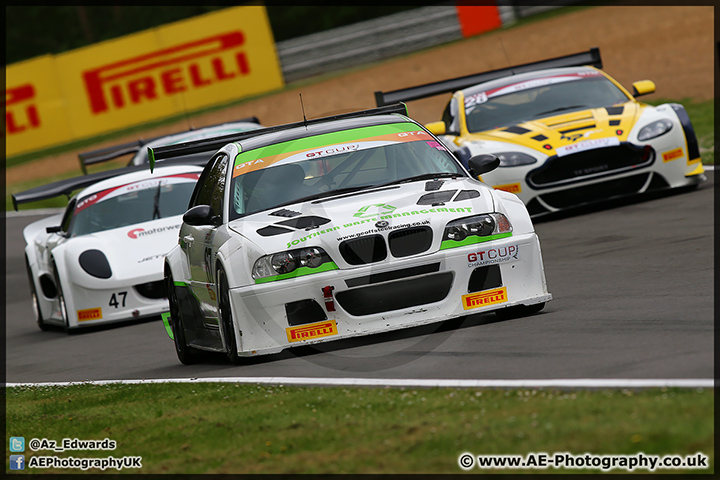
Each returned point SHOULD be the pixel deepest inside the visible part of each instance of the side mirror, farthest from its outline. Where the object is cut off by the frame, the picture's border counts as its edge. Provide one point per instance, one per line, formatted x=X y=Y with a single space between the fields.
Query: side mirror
x=57 y=229
x=436 y=128
x=201 y=215
x=643 y=87
x=482 y=163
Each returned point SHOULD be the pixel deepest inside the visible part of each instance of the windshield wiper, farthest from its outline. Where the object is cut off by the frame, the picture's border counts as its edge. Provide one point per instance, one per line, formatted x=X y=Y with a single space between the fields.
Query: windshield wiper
x=156 y=202
x=559 y=109
x=424 y=176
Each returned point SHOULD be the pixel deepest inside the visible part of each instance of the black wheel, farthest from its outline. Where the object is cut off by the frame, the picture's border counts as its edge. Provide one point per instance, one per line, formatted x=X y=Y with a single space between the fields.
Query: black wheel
x=519 y=311
x=34 y=299
x=226 y=318
x=186 y=354
x=61 y=300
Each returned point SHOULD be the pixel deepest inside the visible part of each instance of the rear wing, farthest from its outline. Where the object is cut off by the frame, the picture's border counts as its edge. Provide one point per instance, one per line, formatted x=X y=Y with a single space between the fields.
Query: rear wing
x=216 y=143
x=67 y=186
x=117 y=151
x=591 y=57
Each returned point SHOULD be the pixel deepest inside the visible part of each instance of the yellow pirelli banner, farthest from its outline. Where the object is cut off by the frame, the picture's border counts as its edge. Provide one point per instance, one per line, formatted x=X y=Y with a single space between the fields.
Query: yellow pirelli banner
x=184 y=66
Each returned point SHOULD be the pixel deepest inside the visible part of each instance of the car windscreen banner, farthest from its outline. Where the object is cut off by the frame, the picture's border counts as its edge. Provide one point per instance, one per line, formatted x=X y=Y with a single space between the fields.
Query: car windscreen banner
x=330 y=144
x=145 y=184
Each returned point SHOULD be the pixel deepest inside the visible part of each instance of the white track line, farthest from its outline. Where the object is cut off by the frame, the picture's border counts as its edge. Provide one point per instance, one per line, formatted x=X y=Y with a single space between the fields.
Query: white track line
x=398 y=382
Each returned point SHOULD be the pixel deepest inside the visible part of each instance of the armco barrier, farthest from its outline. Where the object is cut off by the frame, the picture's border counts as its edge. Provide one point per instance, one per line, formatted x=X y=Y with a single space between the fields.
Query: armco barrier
x=211 y=59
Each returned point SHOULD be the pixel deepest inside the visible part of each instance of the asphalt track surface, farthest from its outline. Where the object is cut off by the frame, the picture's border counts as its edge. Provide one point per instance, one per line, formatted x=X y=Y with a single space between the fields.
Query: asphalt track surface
x=633 y=298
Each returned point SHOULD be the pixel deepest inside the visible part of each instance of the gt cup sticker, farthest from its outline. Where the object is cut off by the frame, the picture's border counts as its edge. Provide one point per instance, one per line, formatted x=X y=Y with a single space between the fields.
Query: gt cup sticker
x=672 y=154
x=587 y=145
x=312 y=330
x=89 y=314
x=484 y=298
x=492 y=256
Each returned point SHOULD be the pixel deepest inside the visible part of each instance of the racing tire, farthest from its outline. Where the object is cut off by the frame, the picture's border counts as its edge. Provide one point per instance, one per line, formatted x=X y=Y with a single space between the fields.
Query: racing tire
x=519 y=311
x=34 y=298
x=226 y=319
x=61 y=300
x=185 y=353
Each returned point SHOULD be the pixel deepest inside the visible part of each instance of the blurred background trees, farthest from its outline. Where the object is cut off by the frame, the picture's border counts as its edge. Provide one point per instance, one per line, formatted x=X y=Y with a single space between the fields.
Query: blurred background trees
x=36 y=30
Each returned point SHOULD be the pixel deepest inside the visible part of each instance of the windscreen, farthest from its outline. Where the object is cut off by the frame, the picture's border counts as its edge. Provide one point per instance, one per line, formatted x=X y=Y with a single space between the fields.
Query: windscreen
x=133 y=203
x=539 y=97
x=335 y=163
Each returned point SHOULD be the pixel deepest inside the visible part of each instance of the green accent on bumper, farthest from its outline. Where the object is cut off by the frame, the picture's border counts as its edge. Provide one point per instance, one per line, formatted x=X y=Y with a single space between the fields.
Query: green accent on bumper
x=299 y=272
x=472 y=240
x=180 y=284
x=166 y=321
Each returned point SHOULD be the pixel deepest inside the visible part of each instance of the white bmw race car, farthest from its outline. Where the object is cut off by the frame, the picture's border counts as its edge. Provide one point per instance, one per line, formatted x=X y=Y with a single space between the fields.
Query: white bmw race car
x=138 y=149
x=339 y=227
x=101 y=260
x=566 y=133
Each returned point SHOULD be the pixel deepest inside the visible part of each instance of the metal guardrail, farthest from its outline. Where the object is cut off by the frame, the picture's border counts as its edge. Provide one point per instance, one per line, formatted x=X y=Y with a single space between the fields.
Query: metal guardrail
x=368 y=41
x=386 y=37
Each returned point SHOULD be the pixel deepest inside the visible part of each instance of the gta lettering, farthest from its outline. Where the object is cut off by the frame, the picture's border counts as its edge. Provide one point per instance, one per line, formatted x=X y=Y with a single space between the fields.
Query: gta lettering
x=166 y=72
x=83 y=203
x=114 y=302
x=247 y=164
x=408 y=134
x=25 y=117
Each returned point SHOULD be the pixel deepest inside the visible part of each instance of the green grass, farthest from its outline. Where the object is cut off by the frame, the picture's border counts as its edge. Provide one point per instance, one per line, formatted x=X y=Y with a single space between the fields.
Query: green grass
x=234 y=428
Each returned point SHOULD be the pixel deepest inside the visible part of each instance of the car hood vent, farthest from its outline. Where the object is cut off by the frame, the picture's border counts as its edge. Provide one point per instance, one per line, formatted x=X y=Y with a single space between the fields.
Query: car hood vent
x=436 y=197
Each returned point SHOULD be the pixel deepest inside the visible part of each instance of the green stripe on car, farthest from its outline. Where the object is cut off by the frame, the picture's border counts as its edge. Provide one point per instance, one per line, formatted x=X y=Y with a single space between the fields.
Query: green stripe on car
x=299 y=272
x=472 y=240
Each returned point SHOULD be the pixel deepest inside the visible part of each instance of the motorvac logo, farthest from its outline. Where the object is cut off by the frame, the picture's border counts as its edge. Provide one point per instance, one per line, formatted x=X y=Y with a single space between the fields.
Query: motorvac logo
x=141 y=232
x=382 y=209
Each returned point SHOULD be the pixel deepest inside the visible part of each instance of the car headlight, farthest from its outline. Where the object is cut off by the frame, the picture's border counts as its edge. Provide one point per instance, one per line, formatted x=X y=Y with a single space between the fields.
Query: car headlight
x=514 y=159
x=475 y=229
x=295 y=262
x=655 y=129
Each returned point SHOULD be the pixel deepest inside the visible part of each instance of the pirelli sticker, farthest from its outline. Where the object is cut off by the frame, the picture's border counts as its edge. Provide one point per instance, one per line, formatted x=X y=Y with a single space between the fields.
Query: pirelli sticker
x=311 y=331
x=89 y=314
x=510 y=187
x=672 y=154
x=484 y=298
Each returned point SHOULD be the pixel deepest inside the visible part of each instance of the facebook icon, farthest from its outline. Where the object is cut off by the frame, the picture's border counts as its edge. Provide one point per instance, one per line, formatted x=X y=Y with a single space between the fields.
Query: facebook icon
x=17 y=462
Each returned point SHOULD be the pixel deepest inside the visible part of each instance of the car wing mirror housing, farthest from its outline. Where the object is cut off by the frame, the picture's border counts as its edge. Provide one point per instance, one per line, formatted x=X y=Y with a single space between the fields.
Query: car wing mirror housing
x=201 y=215
x=483 y=163
x=439 y=128
x=643 y=87
x=56 y=229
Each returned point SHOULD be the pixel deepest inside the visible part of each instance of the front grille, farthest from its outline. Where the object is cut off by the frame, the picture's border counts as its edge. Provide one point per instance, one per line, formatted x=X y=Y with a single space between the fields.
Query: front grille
x=393 y=275
x=590 y=164
x=152 y=290
x=359 y=251
x=396 y=295
x=410 y=241
x=596 y=192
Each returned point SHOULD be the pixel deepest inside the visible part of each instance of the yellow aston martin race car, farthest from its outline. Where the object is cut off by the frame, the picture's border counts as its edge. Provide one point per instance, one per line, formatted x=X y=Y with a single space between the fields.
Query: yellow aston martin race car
x=566 y=133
